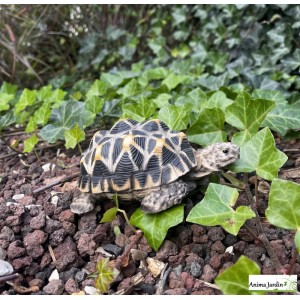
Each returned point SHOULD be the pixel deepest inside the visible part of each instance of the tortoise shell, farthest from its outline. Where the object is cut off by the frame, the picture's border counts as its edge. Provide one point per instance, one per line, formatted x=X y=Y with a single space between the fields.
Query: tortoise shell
x=135 y=156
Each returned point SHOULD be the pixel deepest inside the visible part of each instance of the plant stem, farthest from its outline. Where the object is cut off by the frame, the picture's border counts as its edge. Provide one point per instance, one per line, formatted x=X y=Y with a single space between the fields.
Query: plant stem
x=292 y=263
x=127 y=220
x=261 y=234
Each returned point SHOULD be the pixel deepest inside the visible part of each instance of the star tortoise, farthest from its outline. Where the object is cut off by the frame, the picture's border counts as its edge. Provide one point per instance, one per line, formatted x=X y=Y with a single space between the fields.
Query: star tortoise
x=148 y=162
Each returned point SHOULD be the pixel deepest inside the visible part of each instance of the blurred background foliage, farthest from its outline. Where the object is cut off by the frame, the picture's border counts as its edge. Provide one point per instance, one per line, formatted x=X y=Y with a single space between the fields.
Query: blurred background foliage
x=69 y=46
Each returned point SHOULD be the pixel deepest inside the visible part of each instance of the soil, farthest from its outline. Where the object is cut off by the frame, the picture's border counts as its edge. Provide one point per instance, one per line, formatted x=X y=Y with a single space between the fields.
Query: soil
x=54 y=251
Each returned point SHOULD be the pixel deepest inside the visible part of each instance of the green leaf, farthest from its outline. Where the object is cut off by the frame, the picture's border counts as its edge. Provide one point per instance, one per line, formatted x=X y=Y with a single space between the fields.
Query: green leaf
x=275 y=96
x=57 y=97
x=247 y=115
x=98 y=88
x=130 y=89
x=282 y=118
x=260 y=154
x=156 y=226
x=106 y=275
x=139 y=111
x=216 y=209
x=292 y=62
x=27 y=98
x=297 y=240
x=7 y=88
x=109 y=215
x=73 y=136
x=4 y=100
x=162 y=100
x=173 y=80
x=208 y=128
x=31 y=125
x=112 y=79
x=155 y=74
x=235 y=279
x=94 y=104
x=42 y=115
x=176 y=117
x=7 y=119
x=51 y=133
x=44 y=93
x=284 y=206
x=218 y=100
x=30 y=143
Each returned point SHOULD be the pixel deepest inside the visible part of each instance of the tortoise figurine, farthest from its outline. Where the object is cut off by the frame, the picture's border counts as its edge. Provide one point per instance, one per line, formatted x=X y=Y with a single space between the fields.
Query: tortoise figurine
x=148 y=162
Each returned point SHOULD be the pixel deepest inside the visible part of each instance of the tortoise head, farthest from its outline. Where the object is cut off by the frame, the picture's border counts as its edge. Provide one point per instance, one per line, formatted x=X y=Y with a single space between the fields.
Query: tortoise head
x=214 y=158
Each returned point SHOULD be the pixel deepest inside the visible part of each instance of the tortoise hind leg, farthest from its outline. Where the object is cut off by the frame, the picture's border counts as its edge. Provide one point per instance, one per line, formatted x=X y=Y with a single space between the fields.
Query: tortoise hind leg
x=168 y=195
x=83 y=203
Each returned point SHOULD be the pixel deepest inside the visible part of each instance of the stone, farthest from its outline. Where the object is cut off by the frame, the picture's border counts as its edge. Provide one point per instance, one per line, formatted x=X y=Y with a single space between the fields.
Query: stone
x=176 y=291
x=129 y=270
x=216 y=234
x=86 y=245
x=15 y=250
x=229 y=240
x=113 y=249
x=196 y=269
x=39 y=221
x=155 y=266
x=188 y=280
x=66 y=261
x=18 y=197
x=64 y=276
x=138 y=255
x=57 y=237
x=148 y=288
x=90 y=290
x=121 y=240
x=46 y=260
x=88 y=222
x=218 y=247
x=3 y=253
x=36 y=282
x=209 y=274
x=71 y=286
x=5 y=268
x=54 y=275
x=69 y=227
x=103 y=234
x=66 y=216
x=167 y=249
x=7 y=234
x=80 y=276
x=37 y=237
x=52 y=225
x=54 y=287
x=12 y=221
x=20 y=263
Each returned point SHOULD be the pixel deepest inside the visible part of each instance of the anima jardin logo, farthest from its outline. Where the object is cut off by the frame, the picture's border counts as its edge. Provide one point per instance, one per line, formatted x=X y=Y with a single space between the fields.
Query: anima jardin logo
x=273 y=283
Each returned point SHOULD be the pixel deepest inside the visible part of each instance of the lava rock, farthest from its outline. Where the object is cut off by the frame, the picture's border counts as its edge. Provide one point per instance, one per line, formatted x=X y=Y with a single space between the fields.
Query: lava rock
x=229 y=240
x=86 y=245
x=6 y=236
x=176 y=291
x=13 y=221
x=39 y=221
x=66 y=216
x=54 y=287
x=64 y=276
x=3 y=253
x=88 y=222
x=80 y=276
x=148 y=288
x=57 y=237
x=167 y=249
x=70 y=228
x=71 y=286
x=196 y=269
x=15 y=250
x=52 y=225
x=209 y=274
x=36 y=282
x=103 y=234
x=20 y=263
x=216 y=234
x=37 y=237
x=218 y=247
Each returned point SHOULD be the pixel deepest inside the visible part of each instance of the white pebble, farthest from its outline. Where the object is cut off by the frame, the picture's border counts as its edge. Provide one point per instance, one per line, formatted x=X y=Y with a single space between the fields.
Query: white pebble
x=5 y=268
x=54 y=200
x=48 y=167
x=155 y=266
x=54 y=275
x=90 y=290
x=18 y=197
x=229 y=250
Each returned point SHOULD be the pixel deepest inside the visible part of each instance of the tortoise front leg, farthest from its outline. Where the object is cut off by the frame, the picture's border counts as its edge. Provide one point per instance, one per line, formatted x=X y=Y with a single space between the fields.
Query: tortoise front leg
x=84 y=203
x=168 y=195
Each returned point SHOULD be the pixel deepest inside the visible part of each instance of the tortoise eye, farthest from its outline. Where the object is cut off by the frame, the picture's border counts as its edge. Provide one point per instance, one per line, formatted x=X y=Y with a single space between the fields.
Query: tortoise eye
x=225 y=151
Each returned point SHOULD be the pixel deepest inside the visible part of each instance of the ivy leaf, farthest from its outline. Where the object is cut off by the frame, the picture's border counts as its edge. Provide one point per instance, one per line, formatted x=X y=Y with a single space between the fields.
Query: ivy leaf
x=173 y=80
x=292 y=62
x=275 y=96
x=73 y=136
x=284 y=206
x=156 y=226
x=162 y=99
x=27 y=98
x=51 y=133
x=247 y=115
x=4 y=100
x=208 y=128
x=218 y=100
x=8 y=88
x=216 y=209
x=94 y=104
x=31 y=125
x=139 y=111
x=213 y=82
x=57 y=97
x=176 y=117
x=106 y=275
x=44 y=93
x=30 y=143
x=112 y=79
x=109 y=215
x=130 y=89
x=7 y=119
x=154 y=74
x=98 y=88
x=42 y=115
x=260 y=154
x=235 y=279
